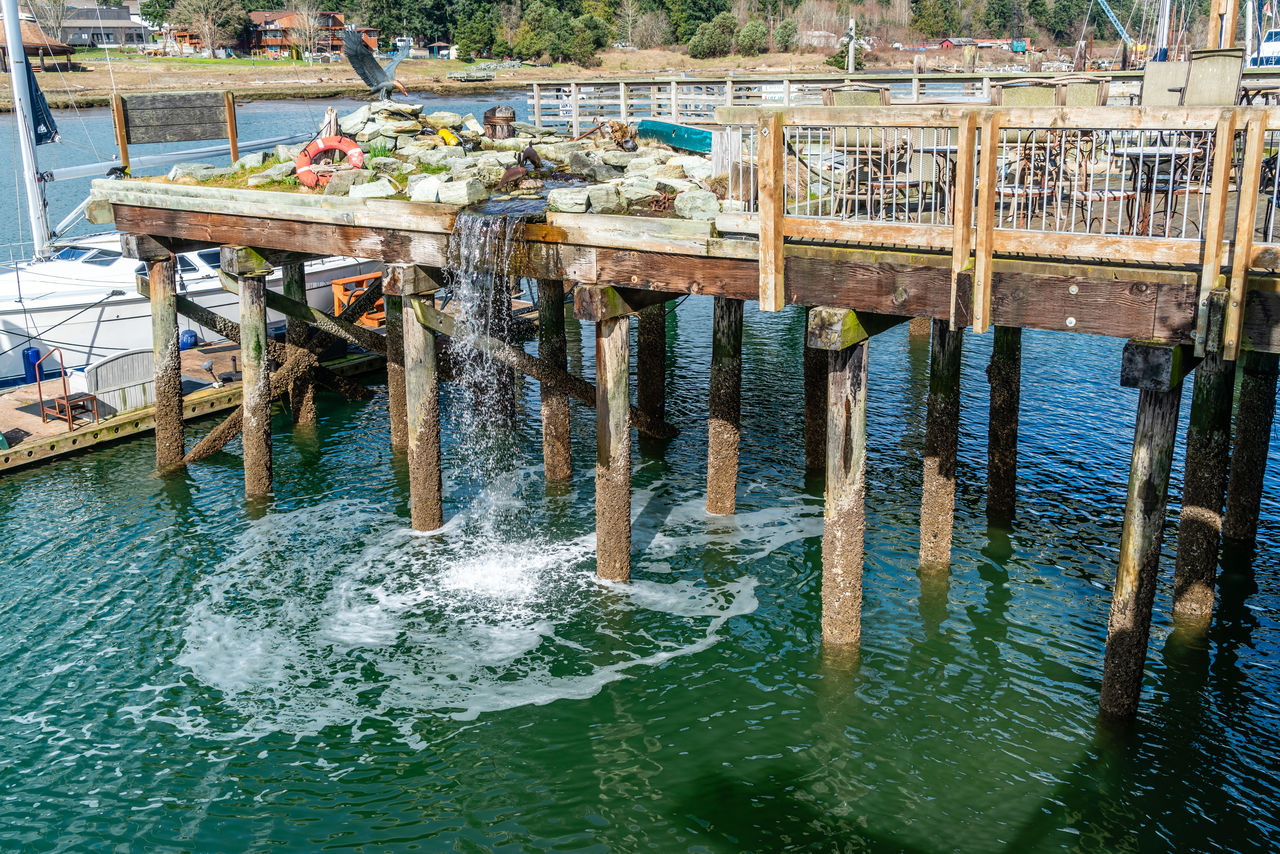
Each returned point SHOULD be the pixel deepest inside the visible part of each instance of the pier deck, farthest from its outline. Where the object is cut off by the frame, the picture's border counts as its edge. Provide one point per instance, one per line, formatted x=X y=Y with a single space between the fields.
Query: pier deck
x=1153 y=226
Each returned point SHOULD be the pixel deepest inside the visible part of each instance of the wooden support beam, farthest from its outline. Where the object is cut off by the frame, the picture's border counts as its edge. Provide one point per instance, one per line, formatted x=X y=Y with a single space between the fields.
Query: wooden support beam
x=1154 y=366
x=724 y=420
x=1004 y=374
x=919 y=327
x=815 y=404
x=347 y=331
x=941 y=442
x=422 y=402
x=302 y=397
x=398 y=279
x=844 y=510
x=1204 y=487
x=1255 y=410
x=1214 y=227
x=651 y=362
x=613 y=450
x=985 y=222
x=168 y=361
x=597 y=303
x=576 y=387
x=244 y=261
x=256 y=383
x=772 y=189
x=1140 y=540
x=839 y=328
x=557 y=457
x=1249 y=175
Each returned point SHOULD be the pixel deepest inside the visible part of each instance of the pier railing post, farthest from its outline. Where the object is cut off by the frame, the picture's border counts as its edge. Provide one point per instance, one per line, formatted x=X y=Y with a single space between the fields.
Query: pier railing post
x=422 y=403
x=651 y=361
x=1204 y=487
x=1255 y=410
x=1004 y=374
x=613 y=449
x=1157 y=371
x=557 y=459
x=164 y=347
x=251 y=273
x=302 y=393
x=941 y=441
x=723 y=423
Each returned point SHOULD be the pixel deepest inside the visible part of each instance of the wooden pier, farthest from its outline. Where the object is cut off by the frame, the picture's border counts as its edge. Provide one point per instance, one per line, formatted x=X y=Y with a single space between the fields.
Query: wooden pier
x=864 y=216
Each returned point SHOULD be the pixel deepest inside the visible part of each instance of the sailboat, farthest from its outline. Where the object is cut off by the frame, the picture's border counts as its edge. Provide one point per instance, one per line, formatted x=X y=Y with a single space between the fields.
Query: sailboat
x=80 y=295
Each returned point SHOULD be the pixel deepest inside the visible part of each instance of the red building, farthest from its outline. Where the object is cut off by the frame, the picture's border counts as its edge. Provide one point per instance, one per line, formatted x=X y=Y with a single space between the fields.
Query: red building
x=275 y=34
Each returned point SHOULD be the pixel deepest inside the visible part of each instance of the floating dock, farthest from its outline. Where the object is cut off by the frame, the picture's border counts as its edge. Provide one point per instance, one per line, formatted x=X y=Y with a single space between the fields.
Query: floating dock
x=1152 y=226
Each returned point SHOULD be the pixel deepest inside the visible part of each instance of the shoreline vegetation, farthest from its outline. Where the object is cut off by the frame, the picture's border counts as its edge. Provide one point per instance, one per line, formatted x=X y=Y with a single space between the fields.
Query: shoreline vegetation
x=270 y=80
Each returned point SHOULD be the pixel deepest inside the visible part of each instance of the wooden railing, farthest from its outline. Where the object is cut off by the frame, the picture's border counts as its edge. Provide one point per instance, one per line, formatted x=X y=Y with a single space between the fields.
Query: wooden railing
x=577 y=105
x=1188 y=188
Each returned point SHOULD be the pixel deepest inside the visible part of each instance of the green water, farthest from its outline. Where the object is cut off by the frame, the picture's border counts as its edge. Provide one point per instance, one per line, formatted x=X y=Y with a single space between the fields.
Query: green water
x=178 y=674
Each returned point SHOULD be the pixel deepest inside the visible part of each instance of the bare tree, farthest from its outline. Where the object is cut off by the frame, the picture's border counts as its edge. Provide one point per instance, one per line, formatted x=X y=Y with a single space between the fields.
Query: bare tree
x=628 y=16
x=653 y=29
x=216 y=22
x=304 y=25
x=50 y=15
x=509 y=15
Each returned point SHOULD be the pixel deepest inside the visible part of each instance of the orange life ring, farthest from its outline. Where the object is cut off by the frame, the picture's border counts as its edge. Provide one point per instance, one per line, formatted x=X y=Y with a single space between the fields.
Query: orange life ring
x=349 y=147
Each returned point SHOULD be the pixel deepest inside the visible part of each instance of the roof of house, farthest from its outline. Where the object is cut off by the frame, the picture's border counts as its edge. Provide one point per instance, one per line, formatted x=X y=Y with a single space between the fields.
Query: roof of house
x=36 y=42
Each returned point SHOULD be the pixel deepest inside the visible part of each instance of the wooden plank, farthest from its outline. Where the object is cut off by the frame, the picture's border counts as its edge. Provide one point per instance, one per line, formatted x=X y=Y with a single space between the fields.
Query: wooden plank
x=596 y=304
x=202 y=99
x=1133 y=308
x=986 y=218
x=831 y=328
x=962 y=202
x=1215 y=222
x=1046 y=118
x=1155 y=366
x=772 y=209
x=874 y=233
x=122 y=136
x=187 y=132
x=1248 y=176
x=231 y=127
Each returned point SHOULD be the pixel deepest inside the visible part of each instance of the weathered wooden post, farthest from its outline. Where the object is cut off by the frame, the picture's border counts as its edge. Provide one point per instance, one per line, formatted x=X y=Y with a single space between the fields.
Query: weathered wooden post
x=613 y=449
x=397 y=407
x=1255 y=410
x=1204 y=487
x=251 y=271
x=552 y=348
x=302 y=392
x=844 y=335
x=919 y=327
x=164 y=346
x=723 y=423
x=815 y=404
x=422 y=403
x=941 y=440
x=1004 y=374
x=651 y=361
x=1157 y=370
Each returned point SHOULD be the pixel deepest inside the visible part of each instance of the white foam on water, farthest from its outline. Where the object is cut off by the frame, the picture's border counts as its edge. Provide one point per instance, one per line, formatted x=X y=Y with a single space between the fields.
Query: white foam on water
x=365 y=623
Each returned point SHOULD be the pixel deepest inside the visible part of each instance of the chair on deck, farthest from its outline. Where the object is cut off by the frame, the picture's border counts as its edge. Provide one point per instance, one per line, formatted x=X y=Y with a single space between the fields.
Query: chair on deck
x=879 y=177
x=1027 y=178
x=1083 y=91
x=1213 y=79
x=855 y=95
x=1162 y=84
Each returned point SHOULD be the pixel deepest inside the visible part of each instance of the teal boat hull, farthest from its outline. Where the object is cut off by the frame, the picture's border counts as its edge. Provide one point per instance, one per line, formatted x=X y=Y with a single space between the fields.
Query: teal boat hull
x=683 y=137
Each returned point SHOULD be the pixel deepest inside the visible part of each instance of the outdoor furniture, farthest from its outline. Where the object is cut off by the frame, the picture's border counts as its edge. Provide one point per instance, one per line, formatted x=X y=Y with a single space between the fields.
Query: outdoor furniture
x=1162 y=84
x=879 y=179
x=855 y=95
x=1213 y=79
x=1161 y=171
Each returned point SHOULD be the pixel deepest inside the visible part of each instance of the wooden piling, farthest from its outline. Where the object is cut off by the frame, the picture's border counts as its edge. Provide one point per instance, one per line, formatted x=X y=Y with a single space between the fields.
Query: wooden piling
x=422 y=404
x=1204 y=486
x=1255 y=410
x=844 y=513
x=1135 y=586
x=919 y=327
x=397 y=408
x=815 y=405
x=1004 y=374
x=256 y=381
x=302 y=393
x=651 y=361
x=613 y=450
x=723 y=423
x=941 y=440
x=168 y=361
x=557 y=461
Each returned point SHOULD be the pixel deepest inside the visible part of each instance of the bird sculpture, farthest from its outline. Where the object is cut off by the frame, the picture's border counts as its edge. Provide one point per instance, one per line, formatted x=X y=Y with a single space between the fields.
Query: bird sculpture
x=381 y=80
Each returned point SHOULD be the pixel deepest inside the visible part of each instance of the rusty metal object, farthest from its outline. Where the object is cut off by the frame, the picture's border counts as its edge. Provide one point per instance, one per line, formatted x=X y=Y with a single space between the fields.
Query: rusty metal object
x=497 y=122
x=662 y=204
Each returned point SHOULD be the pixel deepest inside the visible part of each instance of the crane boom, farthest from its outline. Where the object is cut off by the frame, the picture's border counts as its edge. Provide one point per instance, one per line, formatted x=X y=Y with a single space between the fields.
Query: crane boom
x=1115 y=22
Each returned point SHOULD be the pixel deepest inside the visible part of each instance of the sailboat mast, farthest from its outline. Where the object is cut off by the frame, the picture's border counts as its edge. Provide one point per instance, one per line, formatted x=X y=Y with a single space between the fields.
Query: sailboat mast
x=1162 y=31
x=23 y=127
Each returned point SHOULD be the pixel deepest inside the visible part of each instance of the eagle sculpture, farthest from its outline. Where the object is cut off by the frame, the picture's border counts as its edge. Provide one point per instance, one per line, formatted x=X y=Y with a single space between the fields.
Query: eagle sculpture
x=379 y=79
